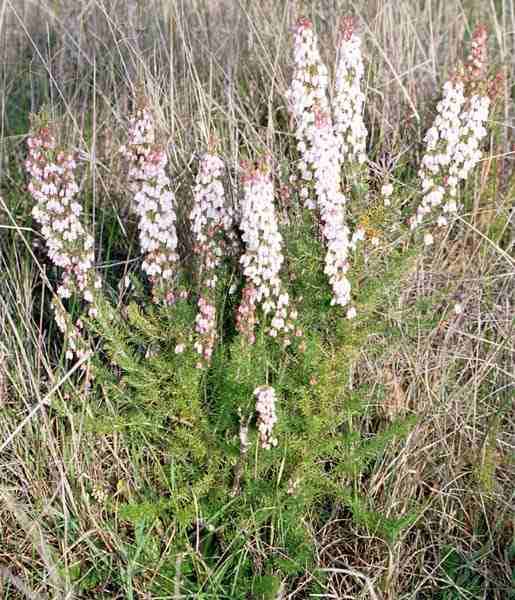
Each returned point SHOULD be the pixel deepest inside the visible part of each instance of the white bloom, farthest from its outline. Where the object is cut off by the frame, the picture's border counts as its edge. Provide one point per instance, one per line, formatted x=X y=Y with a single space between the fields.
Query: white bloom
x=452 y=149
x=266 y=415
x=325 y=157
x=53 y=188
x=349 y=100
x=211 y=224
x=153 y=204
x=387 y=190
x=306 y=94
x=263 y=257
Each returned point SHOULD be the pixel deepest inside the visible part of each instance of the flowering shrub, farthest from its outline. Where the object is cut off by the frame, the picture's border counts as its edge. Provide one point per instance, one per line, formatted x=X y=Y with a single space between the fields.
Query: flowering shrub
x=69 y=245
x=477 y=60
x=170 y=392
x=53 y=187
x=441 y=142
x=263 y=256
x=324 y=147
x=154 y=205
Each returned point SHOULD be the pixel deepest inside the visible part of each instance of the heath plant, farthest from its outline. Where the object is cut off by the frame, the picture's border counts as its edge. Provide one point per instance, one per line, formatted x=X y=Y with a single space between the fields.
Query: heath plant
x=307 y=93
x=349 y=100
x=325 y=147
x=245 y=395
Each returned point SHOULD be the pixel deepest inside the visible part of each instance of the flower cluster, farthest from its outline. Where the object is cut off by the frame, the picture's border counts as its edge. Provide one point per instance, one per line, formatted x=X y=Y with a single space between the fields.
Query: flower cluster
x=246 y=318
x=154 y=205
x=72 y=332
x=308 y=90
x=323 y=146
x=263 y=256
x=452 y=150
x=453 y=142
x=53 y=188
x=349 y=100
x=467 y=153
x=475 y=71
x=211 y=220
x=210 y=215
x=267 y=418
x=477 y=60
x=442 y=140
x=325 y=155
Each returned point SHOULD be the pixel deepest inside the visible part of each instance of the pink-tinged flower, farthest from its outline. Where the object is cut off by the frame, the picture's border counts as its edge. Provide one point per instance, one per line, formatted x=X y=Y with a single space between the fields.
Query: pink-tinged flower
x=349 y=99
x=387 y=190
x=263 y=256
x=266 y=415
x=211 y=224
x=458 y=308
x=452 y=149
x=307 y=91
x=477 y=60
x=331 y=203
x=53 y=187
x=154 y=204
x=428 y=239
x=453 y=142
x=324 y=146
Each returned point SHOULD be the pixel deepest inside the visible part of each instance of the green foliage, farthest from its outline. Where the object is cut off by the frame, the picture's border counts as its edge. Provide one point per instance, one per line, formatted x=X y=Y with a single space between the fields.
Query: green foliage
x=160 y=397
x=462 y=580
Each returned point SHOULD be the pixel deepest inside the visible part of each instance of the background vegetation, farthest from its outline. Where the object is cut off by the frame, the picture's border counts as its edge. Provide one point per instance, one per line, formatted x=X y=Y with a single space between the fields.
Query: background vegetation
x=393 y=477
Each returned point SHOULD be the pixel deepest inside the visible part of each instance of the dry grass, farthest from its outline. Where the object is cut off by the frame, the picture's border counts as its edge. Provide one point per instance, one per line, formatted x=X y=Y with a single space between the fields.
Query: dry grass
x=458 y=462
x=224 y=66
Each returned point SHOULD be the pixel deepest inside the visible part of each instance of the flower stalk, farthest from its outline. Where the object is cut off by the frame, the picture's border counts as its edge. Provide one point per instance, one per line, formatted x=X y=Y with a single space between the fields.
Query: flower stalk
x=263 y=257
x=53 y=188
x=154 y=205
x=211 y=223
